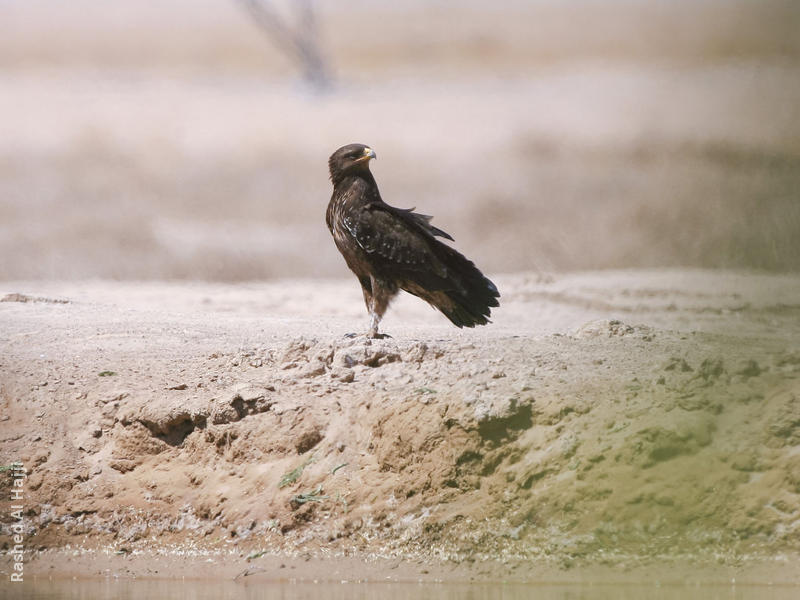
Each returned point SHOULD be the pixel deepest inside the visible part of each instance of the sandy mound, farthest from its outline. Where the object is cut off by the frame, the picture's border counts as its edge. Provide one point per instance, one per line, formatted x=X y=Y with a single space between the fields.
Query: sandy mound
x=654 y=421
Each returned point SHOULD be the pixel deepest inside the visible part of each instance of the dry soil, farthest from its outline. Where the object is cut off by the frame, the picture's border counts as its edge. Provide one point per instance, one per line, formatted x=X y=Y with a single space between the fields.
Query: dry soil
x=606 y=422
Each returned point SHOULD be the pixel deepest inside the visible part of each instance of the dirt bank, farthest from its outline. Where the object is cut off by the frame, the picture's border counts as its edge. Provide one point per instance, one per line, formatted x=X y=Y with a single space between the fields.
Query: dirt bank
x=608 y=419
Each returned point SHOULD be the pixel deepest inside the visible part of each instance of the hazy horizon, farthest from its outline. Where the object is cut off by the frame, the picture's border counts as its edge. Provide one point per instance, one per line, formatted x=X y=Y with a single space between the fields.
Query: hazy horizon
x=178 y=141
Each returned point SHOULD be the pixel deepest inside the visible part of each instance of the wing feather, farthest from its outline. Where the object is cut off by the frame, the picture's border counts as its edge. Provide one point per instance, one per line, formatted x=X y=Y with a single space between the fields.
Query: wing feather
x=424 y=222
x=396 y=238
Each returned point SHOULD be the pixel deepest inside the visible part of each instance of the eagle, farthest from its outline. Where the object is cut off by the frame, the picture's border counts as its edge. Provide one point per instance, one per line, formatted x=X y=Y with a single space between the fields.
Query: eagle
x=391 y=249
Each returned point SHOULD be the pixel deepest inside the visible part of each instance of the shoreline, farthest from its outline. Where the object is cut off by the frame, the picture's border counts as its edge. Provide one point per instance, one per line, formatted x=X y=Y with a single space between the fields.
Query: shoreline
x=57 y=565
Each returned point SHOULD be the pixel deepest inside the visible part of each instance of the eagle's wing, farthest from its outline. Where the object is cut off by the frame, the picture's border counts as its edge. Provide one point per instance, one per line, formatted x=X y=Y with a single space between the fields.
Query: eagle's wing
x=401 y=245
x=423 y=221
x=398 y=237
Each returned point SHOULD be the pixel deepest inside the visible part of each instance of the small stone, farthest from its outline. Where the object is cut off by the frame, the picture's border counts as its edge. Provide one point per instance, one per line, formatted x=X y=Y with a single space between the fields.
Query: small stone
x=312 y=369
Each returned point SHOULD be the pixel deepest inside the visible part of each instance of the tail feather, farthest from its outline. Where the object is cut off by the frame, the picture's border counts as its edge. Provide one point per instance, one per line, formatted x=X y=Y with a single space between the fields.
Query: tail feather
x=463 y=294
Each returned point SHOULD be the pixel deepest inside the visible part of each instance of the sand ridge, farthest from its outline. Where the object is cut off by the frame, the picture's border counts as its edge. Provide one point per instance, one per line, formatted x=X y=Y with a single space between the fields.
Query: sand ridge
x=634 y=418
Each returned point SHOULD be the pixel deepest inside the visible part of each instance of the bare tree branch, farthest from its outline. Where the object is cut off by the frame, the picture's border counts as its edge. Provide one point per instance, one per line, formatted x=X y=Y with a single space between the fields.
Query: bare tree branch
x=301 y=43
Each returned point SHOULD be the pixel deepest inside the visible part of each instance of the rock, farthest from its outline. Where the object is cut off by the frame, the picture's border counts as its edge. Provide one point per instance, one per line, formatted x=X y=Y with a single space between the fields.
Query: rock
x=612 y=328
x=17 y=297
x=171 y=420
x=225 y=414
x=314 y=368
x=296 y=351
x=122 y=465
x=245 y=400
x=343 y=375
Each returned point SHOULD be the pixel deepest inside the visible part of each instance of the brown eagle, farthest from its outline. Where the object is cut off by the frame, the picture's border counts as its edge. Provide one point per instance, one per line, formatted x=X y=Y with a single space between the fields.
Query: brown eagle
x=391 y=249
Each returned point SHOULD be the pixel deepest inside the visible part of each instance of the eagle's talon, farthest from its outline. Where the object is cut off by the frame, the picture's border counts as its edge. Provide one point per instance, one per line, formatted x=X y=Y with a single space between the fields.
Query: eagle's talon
x=378 y=336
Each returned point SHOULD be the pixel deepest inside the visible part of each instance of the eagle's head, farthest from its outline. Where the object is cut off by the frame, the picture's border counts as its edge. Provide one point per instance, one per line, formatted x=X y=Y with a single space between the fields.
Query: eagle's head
x=350 y=160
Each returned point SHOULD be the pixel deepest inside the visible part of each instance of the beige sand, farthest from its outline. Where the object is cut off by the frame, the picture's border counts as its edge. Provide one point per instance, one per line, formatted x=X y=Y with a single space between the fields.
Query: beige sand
x=613 y=421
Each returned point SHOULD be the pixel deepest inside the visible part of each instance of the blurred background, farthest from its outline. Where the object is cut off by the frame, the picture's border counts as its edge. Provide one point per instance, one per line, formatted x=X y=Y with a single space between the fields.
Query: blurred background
x=189 y=138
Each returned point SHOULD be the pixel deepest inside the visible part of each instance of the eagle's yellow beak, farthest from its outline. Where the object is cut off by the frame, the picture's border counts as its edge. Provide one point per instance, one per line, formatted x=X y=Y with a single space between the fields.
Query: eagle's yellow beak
x=367 y=154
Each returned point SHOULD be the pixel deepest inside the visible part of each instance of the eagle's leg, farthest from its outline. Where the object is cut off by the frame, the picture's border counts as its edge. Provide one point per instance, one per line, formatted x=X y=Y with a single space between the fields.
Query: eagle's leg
x=374 y=319
x=382 y=294
x=366 y=289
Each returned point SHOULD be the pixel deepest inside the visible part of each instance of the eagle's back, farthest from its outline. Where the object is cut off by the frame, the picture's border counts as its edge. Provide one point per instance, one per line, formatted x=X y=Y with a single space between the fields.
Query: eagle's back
x=398 y=248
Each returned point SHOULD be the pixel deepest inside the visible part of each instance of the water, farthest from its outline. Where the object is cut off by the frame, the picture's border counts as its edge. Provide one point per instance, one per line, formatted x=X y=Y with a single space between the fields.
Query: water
x=107 y=589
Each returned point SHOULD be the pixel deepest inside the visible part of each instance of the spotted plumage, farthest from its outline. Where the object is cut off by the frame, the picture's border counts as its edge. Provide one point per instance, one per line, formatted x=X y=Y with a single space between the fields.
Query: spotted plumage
x=391 y=249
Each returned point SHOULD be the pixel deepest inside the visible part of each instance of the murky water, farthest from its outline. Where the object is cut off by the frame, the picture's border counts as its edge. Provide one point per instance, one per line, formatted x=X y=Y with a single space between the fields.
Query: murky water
x=229 y=590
